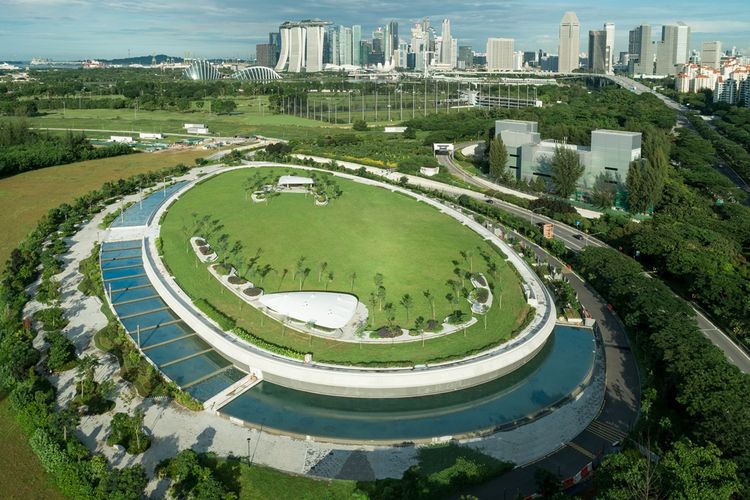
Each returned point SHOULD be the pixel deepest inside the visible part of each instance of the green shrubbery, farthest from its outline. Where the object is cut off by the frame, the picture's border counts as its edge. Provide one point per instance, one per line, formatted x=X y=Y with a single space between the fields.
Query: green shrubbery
x=127 y=431
x=268 y=346
x=225 y=322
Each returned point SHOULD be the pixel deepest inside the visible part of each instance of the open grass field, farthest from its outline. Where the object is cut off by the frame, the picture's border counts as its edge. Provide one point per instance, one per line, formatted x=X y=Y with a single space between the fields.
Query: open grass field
x=252 y=116
x=21 y=474
x=26 y=197
x=366 y=231
x=263 y=483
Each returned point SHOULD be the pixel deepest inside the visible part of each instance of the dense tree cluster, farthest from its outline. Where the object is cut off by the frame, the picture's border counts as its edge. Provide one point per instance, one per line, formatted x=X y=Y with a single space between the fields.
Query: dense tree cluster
x=78 y=473
x=700 y=395
x=22 y=149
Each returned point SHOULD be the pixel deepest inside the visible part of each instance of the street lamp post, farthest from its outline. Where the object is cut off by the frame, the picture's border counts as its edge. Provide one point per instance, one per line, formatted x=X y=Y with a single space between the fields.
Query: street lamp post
x=531 y=215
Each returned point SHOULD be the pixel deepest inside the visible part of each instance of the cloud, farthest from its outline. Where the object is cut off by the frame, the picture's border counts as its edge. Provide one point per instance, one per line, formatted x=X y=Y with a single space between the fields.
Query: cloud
x=216 y=28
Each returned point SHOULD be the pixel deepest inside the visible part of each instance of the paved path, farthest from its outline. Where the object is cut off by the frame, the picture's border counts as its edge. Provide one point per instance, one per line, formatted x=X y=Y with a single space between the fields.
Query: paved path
x=174 y=428
x=618 y=413
x=201 y=136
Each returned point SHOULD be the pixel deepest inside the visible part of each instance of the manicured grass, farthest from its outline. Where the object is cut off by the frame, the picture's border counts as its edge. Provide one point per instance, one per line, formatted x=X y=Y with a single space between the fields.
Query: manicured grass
x=263 y=483
x=248 y=119
x=367 y=230
x=22 y=475
x=26 y=197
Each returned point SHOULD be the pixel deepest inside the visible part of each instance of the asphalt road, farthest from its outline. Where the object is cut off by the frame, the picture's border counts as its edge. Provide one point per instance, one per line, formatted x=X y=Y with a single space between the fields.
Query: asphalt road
x=576 y=240
x=619 y=411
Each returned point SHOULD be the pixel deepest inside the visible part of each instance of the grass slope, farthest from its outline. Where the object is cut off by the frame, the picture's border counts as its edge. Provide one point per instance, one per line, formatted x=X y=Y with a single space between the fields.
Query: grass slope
x=367 y=230
x=26 y=197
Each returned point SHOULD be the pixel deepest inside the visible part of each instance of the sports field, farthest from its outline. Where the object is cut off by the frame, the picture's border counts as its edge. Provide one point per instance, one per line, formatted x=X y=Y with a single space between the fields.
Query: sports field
x=252 y=116
x=364 y=232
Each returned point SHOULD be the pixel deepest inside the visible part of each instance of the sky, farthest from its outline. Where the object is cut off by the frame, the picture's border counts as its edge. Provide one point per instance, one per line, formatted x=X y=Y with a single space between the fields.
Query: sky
x=105 y=29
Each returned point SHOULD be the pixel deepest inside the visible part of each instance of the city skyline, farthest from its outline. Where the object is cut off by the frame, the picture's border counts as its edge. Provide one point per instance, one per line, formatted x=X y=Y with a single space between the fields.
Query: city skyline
x=231 y=28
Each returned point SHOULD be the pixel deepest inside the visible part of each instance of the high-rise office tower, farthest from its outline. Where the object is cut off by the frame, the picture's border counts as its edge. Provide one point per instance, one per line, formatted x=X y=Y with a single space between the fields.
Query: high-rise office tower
x=570 y=43
x=500 y=54
x=598 y=53
x=345 y=45
x=387 y=42
x=418 y=45
x=356 y=42
x=711 y=54
x=641 y=51
x=609 y=30
x=265 y=55
x=672 y=49
x=465 y=56
x=446 y=45
x=274 y=38
x=390 y=40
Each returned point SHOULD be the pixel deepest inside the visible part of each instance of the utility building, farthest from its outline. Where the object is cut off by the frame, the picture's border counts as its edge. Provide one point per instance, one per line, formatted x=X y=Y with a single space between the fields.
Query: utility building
x=530 y=157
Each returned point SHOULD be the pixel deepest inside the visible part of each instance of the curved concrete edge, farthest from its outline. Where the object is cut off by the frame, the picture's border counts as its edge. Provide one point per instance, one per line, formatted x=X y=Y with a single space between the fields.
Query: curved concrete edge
x=361 y=382
x=587 y=398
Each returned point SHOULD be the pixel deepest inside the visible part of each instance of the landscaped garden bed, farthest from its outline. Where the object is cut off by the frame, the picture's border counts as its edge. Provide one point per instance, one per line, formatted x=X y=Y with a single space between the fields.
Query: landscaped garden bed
x=253 y=292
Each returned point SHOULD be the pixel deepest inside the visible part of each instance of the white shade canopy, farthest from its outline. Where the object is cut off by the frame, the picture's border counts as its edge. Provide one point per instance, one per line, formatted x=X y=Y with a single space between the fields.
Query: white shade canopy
x=295 y=180
x=326 y=309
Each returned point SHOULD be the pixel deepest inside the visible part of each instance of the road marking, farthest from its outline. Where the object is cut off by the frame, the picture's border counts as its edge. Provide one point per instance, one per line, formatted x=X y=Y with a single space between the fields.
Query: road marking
x=581 y=450
x=606 y=431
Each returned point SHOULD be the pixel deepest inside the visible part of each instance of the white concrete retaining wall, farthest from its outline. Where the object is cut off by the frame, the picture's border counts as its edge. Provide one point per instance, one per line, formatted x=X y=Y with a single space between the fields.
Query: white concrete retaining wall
x=362 y=382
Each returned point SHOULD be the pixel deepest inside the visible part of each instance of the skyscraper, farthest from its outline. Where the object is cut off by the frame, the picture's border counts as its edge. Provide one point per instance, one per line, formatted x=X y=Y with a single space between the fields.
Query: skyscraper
x=609 y=29
x=446 y=46
x=390 y=40
x=570 y=43
x=500 y=54
x=641 y=59
x=672 y=49
x=598 y=53
x=265 y=55
x=356 y=42
x=711 y=54
x=301 y=46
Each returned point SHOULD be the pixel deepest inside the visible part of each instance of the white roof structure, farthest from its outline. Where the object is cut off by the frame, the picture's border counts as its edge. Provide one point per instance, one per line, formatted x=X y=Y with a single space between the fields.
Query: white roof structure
x=295 y=180
x=326 y=309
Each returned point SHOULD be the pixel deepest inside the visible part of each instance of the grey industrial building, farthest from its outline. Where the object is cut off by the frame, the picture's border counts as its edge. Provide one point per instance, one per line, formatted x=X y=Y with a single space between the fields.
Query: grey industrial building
x=530 y=157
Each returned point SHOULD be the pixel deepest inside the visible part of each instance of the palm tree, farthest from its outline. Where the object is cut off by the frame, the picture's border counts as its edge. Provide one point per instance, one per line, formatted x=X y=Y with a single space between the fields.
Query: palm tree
x=381 y=296
x=323 y=266
x=284 y=272
x=460 y=275
x=374 y=301
x=303 y=276
x=299 y=267
x=390 y=315
x=85 y=374
x=407 y=302
x=330 y=278
x=431 y=300
x=419 y=327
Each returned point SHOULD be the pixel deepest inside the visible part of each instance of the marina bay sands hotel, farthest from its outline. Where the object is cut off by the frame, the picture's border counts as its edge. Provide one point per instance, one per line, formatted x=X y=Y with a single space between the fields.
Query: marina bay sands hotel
x=302 y=46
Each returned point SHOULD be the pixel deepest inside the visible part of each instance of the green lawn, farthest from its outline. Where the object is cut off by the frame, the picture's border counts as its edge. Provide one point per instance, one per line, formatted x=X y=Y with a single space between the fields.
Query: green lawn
x=248 y=119
x=263 y=483
x=22 y=476
x=367 y=230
